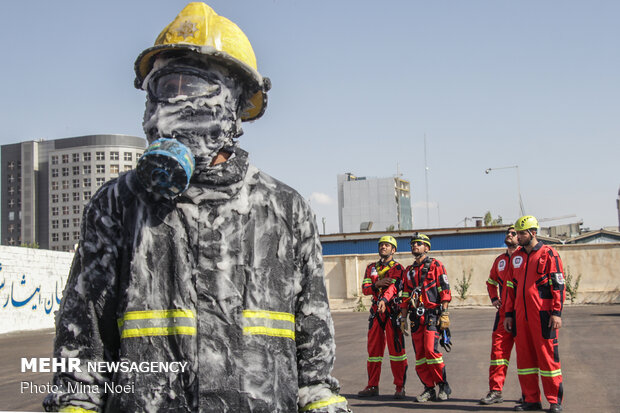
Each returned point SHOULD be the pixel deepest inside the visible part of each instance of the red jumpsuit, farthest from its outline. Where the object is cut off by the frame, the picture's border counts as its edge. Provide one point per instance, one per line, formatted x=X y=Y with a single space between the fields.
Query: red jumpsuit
x=501 y=340
x=425 y=336
x=382 y=326
x=536 y=292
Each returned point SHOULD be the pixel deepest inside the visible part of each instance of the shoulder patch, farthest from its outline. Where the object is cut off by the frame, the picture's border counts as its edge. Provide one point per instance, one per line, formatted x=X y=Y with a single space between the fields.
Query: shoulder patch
x=517 y=261
x=501 y=266
x=444 y=278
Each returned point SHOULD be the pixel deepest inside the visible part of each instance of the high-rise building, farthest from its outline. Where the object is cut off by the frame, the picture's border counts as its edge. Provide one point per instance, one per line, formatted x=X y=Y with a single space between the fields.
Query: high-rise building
x=45 y=185
x=376 y=204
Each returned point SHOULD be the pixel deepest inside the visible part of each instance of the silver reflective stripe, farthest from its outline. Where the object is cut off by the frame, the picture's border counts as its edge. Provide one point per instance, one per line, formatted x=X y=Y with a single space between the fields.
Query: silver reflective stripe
x=157 y=323
x=269 y=323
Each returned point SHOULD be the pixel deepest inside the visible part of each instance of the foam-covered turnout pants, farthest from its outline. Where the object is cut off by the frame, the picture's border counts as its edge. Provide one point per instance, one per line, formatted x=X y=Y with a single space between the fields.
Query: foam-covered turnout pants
x=502 y=342
x=382 y=329
x=429 y=363
x=536 y=292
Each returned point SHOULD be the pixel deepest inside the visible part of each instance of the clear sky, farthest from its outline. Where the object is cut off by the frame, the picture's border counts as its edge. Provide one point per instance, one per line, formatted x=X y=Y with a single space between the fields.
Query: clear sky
x=356 y=87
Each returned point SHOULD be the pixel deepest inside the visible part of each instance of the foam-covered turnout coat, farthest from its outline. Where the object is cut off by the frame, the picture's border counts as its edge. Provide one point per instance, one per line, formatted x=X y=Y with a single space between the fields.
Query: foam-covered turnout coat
x=228 y=277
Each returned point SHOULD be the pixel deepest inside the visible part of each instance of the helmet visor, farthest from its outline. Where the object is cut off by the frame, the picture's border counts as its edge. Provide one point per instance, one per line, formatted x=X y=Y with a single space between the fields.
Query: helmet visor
x=166 y=86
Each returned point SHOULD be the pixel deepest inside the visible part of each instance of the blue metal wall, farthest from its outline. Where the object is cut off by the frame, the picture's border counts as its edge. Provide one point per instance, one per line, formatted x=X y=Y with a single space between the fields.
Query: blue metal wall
x=439 y=242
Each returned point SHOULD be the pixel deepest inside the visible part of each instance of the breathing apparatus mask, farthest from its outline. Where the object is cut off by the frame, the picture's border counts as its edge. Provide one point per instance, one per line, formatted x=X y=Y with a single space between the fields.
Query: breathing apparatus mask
x=191 y=115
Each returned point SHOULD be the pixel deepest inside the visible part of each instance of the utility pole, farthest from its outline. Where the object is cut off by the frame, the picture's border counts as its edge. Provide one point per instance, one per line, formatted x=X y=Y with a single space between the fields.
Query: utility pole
x=428 y=220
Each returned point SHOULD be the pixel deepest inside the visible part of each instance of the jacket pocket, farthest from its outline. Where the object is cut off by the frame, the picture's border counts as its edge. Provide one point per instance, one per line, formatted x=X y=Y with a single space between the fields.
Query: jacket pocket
x=546 y=331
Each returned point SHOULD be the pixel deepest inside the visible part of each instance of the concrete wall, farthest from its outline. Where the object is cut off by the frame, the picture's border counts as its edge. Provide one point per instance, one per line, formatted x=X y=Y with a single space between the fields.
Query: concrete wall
x=597 y=264
x=32 y=280
x=31 y=286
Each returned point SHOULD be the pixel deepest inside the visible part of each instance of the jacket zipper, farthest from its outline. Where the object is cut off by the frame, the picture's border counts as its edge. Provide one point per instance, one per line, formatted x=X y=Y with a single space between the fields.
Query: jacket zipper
x=527 y=263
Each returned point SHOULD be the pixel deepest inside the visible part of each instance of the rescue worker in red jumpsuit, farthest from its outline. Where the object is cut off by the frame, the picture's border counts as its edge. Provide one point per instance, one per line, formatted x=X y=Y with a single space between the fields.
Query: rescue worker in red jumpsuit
x=534 y=301
x=426 y=294
x=502 y=341
x=383 y=280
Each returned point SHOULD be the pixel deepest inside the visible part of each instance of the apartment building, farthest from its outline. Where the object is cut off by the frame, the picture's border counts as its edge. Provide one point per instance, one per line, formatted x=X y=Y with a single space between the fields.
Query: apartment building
x=376 y=204
x=45 y=185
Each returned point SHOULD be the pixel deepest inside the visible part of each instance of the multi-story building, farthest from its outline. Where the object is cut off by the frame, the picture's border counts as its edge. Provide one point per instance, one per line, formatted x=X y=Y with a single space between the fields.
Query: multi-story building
x=373 y=203
x=45 y=185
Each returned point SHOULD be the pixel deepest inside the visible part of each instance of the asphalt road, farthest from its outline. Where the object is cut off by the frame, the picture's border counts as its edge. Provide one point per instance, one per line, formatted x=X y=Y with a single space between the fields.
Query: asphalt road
x=589 y=344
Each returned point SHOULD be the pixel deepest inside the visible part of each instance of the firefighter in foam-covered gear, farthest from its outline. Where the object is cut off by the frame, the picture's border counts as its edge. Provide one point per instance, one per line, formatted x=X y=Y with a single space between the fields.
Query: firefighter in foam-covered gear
x=426 y=296
x=382 y=280
x=502 y=341
x=534 y=302
x=225 y=276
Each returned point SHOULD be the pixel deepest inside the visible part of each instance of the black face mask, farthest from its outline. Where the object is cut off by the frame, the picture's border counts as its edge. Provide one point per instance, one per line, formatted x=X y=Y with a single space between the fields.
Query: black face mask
x=197 y=107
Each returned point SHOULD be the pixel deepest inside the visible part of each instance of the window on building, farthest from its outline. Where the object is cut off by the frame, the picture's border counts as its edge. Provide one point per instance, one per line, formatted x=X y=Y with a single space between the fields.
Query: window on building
x=54 y=237
x=55 y=211
x=86 y=195
x=76 y=222
x=127 y=168
x=65 y=158
x=86 y=156
x=76 y=170
x=100 y=169
x=128 y=156
x=100 y=156
x=54 y=224
x=65 y=197
x=65 y=236
x=76 y=157
x=54 y=159
x=65 y=171
x=11 y=203
x=114 y=169
x=54 y=198
x=76 y=209
x=100 y=181
x=65 y=210
x=65 y=223
x=86 y=169
x=86 y=182
x=76 y=235
x=11 y=178
x=76 y=196
x=55 y=185
x=65 y=184
x=114 y=156
x=10 y=165
x=54 y=172
x=76 y=183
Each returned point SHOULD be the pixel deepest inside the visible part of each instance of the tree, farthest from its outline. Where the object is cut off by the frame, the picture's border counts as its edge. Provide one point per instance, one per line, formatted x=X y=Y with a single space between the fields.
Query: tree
x=490 y=221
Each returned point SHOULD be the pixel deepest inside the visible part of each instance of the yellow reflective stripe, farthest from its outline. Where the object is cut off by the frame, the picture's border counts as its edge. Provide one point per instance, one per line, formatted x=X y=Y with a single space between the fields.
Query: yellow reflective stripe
x=74 y=409
x=147 y=314
x=366 y=281
x=268 y=331
x=323 y=403
x=553 y=373
x=439 y=289
x=158 y=331
x=525 y=372
x=420 y=362
x=272 y=315
x=492 y=282
x=510 y=284
x=375 y=359
x=499 y=362
x=405 y=294
x=398 y=358
x=434 y=361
